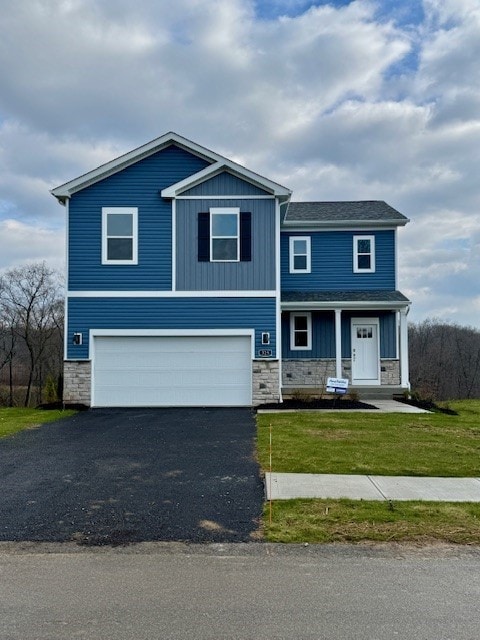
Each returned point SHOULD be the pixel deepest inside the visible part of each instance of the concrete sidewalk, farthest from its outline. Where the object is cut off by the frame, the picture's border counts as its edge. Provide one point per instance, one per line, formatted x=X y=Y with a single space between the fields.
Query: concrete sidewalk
x=381 y=406
x=284 y=486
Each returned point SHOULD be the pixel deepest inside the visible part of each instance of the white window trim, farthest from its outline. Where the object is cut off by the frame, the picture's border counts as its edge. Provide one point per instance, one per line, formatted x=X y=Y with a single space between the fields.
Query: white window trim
x=292 y=254
x=356 y=268
x=224 y=211
x=309 y=331
x=133 y=211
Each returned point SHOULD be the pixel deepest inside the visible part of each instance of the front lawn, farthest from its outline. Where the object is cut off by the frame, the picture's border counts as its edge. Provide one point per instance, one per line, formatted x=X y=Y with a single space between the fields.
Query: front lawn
x=374 y=443
x=16 y=419
x=354 y=521
x=380 y=444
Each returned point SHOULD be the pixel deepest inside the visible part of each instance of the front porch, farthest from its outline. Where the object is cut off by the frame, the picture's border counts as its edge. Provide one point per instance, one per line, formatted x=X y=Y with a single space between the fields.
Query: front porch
x=361 y=336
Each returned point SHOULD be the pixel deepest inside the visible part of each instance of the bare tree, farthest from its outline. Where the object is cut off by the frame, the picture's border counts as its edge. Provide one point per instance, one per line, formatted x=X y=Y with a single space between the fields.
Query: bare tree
x=31 y=305
x=444 y=360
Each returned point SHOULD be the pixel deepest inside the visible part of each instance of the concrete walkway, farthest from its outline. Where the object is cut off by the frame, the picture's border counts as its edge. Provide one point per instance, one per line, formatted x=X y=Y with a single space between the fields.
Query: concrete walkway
x=382 y=406
x=393 y=406
x=284 y=486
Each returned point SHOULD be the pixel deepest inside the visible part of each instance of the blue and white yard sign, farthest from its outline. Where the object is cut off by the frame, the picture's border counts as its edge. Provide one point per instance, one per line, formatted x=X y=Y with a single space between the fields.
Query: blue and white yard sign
x=337 y=385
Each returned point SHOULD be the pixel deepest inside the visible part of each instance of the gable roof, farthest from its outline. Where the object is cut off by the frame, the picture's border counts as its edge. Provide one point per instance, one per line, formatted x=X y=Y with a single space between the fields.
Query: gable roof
x=217 y=163
x=231 y=167
x=359 y=213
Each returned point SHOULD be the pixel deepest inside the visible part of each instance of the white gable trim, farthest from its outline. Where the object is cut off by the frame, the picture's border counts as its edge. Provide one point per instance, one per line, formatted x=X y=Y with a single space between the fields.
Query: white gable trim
x=230 y=167
x=65 y=190
x=129 y=158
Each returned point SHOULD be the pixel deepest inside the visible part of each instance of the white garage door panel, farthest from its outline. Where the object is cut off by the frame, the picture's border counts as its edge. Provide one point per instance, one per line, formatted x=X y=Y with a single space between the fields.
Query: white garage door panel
x=172 y=371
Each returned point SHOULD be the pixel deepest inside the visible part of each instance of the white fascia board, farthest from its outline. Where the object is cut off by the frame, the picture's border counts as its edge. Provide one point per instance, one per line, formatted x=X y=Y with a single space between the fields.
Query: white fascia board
x=332 y=225
x=68 y=188
x=231 y=167
x=129 y=158
x=345 y=306
x=191 y=181
x=173 y=294
x=67 y=278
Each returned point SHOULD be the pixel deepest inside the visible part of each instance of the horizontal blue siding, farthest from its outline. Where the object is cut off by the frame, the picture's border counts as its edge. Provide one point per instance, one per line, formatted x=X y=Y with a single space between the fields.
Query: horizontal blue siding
x=138 y=185
x=225 y=184
x=323 y=334
x=257 y=274
x=168 y=313
x=332 y=263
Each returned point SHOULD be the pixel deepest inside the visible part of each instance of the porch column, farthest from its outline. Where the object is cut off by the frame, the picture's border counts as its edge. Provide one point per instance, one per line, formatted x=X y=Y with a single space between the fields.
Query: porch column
x=338 y=343
x=404 y=381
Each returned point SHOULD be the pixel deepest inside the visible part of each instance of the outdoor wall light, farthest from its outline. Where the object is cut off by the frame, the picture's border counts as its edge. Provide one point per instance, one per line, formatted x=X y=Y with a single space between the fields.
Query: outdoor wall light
x=77 y=338
x=265 y=337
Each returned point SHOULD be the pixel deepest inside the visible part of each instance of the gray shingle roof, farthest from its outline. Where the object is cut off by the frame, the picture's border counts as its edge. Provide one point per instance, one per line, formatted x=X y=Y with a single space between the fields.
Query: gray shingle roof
x=362 y=210
x=343 y=296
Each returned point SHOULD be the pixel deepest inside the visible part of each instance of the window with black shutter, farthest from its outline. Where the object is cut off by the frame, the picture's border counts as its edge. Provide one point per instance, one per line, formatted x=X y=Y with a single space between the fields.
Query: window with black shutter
x=224 y=235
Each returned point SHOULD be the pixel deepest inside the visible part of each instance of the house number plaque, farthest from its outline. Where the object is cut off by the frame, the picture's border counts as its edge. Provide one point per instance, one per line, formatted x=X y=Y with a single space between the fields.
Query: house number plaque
x=265 y=353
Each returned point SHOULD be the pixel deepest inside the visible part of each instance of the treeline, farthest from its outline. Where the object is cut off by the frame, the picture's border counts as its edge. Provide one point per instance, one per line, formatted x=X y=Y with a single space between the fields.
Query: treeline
x=444 y=357
x=444 y=360
x=31 y=335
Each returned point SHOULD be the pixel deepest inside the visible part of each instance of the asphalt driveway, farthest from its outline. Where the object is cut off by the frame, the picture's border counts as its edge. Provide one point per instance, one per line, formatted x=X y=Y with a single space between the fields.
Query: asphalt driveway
x=112 y=476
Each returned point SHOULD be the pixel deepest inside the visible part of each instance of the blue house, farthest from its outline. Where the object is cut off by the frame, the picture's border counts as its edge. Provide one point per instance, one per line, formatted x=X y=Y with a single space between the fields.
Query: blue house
x=192 y=280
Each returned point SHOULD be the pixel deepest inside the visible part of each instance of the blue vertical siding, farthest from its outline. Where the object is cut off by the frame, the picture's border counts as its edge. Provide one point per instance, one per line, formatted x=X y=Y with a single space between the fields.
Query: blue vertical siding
x=332 y=263
x=138 y=185
x=323 y=334
x=225 y=184
x=169 y=313
x=257 y=274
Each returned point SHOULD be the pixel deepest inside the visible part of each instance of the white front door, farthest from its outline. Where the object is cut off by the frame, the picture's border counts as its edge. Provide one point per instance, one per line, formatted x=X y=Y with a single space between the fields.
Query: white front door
x=365 y=351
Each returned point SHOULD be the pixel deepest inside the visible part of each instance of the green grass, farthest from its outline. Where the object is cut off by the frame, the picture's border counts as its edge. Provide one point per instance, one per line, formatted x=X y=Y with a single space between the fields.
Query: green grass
x=354 y=521
x=433 y=444
x=382 y=444
x=17 y=419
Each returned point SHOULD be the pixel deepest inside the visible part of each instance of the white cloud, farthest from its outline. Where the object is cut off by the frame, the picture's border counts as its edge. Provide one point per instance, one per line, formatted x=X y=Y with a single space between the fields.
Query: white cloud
x=315 y=101
x=21 y=243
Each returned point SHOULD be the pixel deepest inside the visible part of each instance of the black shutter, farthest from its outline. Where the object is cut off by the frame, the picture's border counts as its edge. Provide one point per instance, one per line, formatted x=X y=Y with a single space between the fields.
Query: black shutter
x=245 y=236
x=204 y=237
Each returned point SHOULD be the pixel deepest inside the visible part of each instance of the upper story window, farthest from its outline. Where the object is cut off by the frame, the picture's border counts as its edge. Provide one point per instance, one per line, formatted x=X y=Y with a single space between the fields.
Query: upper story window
x=224 y=235
x=300 y=254
x=119 y=235
x=363 y=254
x=300 y=331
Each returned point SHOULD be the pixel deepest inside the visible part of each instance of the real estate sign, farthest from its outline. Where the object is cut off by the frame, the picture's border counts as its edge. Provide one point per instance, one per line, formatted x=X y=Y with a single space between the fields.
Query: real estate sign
x=337 y=385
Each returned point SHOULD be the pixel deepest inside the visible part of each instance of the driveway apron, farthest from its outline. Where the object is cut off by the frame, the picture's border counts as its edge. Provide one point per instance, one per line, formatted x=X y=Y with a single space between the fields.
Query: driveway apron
x=113 y=476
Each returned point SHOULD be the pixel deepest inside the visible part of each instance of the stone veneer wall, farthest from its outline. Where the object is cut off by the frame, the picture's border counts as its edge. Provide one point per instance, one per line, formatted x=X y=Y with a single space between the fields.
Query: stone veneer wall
x=314 y=373
x=77 y=382
x=265 y=387
x=390 y=372
x=77 y=378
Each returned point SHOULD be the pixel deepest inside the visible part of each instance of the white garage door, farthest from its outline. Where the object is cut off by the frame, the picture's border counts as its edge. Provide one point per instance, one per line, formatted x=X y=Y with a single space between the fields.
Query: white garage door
x=157 y=371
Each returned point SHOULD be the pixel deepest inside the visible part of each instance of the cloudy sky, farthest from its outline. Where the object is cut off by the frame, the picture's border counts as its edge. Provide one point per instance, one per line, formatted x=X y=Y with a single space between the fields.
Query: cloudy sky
x=338 y=100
